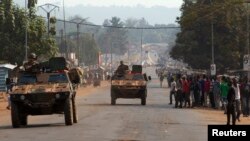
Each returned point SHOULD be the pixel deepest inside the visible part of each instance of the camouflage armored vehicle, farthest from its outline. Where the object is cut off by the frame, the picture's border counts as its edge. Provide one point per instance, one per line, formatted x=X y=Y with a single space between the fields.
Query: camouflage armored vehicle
x=130 y=85
x=45 y=92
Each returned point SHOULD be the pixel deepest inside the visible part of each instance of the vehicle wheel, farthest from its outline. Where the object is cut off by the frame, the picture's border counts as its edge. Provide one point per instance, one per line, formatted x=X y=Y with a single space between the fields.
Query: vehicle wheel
x=143 y=101
x=15 y=115
x=143 y=98
x=113 y=100
x=75 y=116
x=24 y=120
x=68 y=112
x=113 y=97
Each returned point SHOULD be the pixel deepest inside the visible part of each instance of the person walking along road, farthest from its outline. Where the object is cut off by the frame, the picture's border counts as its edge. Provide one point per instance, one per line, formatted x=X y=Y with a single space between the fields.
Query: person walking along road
x=172 y=89
x=231 y=104
x=224 y=92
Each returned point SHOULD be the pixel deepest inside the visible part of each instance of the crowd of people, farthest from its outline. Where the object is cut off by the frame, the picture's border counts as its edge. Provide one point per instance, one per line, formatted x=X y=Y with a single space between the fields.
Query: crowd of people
x=230 y=94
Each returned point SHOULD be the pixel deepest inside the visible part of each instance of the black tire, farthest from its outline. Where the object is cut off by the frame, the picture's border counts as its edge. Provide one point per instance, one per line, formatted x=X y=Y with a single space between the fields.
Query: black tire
x=24 y=120
x=113 y=100
x=143 y=98
x=15 y=115
x=68 y=112
x=75 y=116
x=113 y=97
x=143 y=101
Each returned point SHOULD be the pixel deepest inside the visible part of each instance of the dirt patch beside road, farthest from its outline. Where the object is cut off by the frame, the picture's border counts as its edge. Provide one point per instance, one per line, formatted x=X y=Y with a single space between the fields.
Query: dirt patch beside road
x=213 y=116
x=3 y=101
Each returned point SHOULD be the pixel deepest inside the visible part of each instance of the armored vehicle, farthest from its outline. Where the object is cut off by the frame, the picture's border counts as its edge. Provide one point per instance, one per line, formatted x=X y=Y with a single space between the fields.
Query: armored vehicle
x=46 y=91
x=129 y=85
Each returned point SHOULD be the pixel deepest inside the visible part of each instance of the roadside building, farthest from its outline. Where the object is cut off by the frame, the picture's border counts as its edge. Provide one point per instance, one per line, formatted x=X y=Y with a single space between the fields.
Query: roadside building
x=5 y=70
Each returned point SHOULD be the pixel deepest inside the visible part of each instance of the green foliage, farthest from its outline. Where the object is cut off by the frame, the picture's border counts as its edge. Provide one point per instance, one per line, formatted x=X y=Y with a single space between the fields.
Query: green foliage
x=52 y=20
x=117 y=36
x=32 y=3
x=193 y=44
x=52 y=30
x=12 y=35
x=88 y=51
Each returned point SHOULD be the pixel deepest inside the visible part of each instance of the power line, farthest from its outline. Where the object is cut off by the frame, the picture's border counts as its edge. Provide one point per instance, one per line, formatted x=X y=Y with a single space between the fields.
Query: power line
x=124 y=27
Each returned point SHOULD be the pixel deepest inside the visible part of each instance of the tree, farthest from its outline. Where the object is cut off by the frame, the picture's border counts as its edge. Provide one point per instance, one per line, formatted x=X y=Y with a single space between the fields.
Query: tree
x=12 y=37
x=32 y=3
x=117 y=36
x=134 y=35
x=89 y=50
x=193 y=43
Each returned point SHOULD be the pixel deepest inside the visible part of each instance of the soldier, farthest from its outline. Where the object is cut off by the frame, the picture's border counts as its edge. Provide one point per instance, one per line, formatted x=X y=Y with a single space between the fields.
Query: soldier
x=32 y=61
x=121 y=70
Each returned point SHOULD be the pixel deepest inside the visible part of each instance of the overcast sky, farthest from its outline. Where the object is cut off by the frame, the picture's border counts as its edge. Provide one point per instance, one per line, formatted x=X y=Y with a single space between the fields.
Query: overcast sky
x=146 y=3
x=99 y=10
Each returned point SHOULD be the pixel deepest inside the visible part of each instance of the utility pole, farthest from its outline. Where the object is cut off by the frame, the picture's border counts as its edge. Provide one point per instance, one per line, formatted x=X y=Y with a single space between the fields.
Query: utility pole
x=111 y=57
x=141 y=44
x=78 y=32
x=26 y=32
x=247 y=41
x=65 y=36
x=246 y=58
x=62 y=46
x=50 y=8
x=213 y=66
x=128 y=55
x=212 y=36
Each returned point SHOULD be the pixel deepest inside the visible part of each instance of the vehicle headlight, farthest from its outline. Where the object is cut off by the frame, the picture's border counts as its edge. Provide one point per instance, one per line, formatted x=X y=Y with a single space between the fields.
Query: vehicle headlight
x=57 y=96
x=22 y=97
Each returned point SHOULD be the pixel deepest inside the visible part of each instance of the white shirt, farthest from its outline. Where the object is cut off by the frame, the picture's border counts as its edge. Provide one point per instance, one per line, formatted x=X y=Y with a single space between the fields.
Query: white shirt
x=237 y=91
x=173 y=86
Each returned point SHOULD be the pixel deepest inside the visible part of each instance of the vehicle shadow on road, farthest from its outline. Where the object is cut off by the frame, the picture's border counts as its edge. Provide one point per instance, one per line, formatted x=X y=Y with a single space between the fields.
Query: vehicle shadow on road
x=34 y=126
x=107 y=104
x=160 y=106
x=154 y=106
x=5 y=127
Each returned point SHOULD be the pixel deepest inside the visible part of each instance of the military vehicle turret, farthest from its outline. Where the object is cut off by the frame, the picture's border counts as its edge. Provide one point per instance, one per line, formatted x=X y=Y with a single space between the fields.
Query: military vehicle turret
x=45 y=91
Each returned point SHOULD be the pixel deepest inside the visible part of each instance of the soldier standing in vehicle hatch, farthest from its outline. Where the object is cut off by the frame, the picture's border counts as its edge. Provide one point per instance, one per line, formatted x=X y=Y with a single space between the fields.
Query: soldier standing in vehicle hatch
x=121 y=70
x=32 y=61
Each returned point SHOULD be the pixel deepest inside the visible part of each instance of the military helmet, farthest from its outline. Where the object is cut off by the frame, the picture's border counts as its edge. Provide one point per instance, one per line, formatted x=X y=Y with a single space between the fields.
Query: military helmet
x=32 y=56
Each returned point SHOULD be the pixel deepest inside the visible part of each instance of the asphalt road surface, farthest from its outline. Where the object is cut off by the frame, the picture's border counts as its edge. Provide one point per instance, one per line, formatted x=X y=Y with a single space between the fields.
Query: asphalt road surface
x=126 y=121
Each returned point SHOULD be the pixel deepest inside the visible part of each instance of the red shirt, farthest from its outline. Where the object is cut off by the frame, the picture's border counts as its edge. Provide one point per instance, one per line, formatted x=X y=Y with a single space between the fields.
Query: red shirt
x=185 y=86
x=207 y=86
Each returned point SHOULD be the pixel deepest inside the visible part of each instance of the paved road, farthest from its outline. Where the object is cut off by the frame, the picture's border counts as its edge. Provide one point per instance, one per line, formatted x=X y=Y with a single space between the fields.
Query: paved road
x=126 y=121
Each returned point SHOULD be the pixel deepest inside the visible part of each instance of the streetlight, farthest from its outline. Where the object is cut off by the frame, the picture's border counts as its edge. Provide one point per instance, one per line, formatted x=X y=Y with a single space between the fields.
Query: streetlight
x=48 y=12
